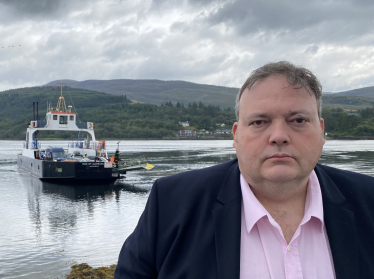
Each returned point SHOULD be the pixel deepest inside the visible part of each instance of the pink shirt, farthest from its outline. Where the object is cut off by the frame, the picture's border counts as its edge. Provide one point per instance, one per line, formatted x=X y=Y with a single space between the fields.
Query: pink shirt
x=265 y=254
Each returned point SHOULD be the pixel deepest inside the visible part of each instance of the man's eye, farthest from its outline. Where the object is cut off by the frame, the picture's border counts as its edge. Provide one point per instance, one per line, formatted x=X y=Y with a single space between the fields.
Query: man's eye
x=257 y=122
x=300 y=120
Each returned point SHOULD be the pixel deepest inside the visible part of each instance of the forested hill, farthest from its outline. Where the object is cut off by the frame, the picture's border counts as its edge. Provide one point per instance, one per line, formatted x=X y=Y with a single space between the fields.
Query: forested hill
x=365 y=91
x=158 y=91
x=113 y=116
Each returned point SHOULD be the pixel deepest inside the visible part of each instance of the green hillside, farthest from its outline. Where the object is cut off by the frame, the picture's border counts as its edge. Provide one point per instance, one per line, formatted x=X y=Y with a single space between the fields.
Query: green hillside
x=16 y=106
x=347 y=102
x=113 y=116
x=365 y=92
x=158 y=91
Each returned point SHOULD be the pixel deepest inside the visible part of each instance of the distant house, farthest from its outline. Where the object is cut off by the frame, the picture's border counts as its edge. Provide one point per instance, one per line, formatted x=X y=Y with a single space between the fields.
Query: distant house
x=203 y=131
x=189 y=133
x=221 y=124
x=222 y=132
x=184 y=124
x=353 y=113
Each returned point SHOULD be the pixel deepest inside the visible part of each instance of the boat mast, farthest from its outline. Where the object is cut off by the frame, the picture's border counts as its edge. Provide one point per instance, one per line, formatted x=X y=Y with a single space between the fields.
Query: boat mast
x=61 y=106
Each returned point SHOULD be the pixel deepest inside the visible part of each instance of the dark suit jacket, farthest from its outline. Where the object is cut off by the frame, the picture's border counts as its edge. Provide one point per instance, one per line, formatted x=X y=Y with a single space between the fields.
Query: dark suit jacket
x=190 y=227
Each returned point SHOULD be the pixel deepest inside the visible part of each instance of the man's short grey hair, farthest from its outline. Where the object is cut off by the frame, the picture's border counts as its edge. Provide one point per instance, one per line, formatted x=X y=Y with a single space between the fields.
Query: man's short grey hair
x=296 y=76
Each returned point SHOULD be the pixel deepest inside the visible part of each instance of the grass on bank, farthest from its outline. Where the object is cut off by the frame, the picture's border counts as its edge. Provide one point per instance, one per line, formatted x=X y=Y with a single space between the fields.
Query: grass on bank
x=84 y=271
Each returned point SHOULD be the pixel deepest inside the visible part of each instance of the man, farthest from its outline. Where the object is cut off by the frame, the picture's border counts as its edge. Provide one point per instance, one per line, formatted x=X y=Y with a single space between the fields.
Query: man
x=273 y=212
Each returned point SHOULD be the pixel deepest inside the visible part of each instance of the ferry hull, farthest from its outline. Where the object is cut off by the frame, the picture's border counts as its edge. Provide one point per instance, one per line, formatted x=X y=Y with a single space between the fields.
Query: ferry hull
x=67 y=171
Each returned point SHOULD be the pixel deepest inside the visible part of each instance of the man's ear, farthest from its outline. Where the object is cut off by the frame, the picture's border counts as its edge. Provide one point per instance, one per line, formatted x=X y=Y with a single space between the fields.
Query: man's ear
x=234 y=132
x=322 y=123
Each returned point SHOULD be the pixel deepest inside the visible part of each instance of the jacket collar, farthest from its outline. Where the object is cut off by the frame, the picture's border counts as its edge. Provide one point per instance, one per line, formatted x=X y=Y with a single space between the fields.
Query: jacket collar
x=227 y=225
x=230 y=189
x=340 y=227
x=339 y=222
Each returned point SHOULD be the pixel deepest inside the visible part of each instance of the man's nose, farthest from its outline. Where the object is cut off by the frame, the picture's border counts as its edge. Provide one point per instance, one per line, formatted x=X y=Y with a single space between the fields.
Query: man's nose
x=279 y=133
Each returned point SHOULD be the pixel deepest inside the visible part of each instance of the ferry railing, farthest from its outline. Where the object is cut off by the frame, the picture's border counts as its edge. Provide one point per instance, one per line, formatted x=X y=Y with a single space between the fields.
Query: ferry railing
x=83 y=144
x=81 y=125
x=32 y=145
x=36 y=145
x=38 y=124
x=76 y=144
x=41 y=124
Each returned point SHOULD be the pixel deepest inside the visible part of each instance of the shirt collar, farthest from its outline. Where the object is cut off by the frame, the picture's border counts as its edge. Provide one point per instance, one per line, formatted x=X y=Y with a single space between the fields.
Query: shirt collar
x=313 y=202
x=254 y=210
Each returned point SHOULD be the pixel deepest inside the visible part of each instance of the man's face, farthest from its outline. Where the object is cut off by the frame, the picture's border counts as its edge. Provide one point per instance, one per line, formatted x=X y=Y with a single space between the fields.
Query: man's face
x=279 y=136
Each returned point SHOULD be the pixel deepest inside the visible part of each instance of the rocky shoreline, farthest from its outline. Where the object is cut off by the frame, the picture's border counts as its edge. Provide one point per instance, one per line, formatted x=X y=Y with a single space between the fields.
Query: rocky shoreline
x=84 y=271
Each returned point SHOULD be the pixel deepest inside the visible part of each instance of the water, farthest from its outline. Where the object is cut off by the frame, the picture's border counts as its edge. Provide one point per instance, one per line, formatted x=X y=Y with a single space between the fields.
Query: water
x=47 y=227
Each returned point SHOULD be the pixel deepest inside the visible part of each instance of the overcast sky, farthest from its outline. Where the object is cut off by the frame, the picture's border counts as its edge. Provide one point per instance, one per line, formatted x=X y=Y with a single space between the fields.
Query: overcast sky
x=210 y=42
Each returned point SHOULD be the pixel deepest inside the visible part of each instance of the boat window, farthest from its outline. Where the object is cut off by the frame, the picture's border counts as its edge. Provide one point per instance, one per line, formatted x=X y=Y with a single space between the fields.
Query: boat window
x=71 y=117
x=63 y=119
x=58 y=154
x=54 y=117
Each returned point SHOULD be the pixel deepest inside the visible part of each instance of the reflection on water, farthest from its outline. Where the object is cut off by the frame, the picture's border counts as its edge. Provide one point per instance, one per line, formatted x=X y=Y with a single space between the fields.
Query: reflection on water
x=88 y=192
x=46 y=227
x=58 y=224
x=357 y=156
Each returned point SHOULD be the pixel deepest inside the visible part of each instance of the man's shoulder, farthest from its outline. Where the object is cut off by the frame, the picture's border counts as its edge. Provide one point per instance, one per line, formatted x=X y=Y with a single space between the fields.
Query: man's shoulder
x=349 y=183
x=197 y=180
x=220 y=169
x=191 y=192
x=348 y=176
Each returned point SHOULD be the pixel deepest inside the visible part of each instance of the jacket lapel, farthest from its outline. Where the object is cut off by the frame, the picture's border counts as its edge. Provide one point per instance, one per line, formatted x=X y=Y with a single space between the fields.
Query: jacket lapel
x=340 y=227
x=227 y=225
x=339 y=222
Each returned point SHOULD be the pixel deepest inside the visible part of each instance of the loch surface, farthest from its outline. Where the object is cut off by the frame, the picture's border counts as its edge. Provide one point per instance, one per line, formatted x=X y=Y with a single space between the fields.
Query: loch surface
x=47 y=227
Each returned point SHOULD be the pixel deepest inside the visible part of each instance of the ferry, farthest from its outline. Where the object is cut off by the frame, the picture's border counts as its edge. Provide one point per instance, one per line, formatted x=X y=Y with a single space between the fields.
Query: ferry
x=84 y=160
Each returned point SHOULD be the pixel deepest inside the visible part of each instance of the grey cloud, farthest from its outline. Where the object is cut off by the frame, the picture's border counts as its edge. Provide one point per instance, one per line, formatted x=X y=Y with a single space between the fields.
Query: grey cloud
x=247 y=18
x=200 y=3
x=13 y=11
x=313 y=49
x=163 y=5
x=179 y=27
x=169 y=66
x=19 y=10
x=34 y=7
x=214 y=42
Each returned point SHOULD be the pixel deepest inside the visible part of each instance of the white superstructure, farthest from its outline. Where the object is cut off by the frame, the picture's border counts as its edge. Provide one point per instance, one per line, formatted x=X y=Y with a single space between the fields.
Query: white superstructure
x=61 y=119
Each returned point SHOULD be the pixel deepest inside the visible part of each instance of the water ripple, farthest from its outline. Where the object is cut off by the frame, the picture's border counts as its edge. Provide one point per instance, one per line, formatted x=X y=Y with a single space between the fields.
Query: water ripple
x=48 y=226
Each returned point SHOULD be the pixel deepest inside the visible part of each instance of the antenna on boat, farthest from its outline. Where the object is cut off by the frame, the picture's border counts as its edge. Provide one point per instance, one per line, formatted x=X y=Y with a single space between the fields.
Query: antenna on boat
x=61 y=106
x=118 y=145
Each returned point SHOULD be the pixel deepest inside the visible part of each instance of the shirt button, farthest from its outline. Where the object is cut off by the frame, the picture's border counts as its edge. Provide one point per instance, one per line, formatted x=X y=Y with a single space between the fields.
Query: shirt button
x=289 y=248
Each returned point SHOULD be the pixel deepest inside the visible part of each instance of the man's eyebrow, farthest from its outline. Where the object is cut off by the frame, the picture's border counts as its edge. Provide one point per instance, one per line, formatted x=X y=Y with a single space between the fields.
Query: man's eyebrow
x=305 y=112
x=268 y=115
x=257 y=115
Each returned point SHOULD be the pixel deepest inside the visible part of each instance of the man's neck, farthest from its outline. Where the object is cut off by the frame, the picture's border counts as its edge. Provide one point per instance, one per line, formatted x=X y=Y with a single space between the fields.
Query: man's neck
x=287 y=210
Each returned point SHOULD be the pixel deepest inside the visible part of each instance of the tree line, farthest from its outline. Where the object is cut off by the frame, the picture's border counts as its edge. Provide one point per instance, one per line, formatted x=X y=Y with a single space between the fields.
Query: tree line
x=343 y=123
x=115 y=116
x=152 y=121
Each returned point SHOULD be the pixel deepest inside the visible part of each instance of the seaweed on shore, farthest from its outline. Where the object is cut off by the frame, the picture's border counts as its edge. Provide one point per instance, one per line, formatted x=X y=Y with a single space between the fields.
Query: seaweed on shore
x=84 y=271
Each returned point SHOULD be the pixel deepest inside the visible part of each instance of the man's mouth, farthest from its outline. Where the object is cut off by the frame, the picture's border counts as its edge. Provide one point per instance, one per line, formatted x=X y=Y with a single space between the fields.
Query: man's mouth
x=280 y=156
